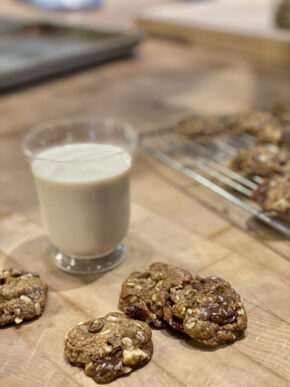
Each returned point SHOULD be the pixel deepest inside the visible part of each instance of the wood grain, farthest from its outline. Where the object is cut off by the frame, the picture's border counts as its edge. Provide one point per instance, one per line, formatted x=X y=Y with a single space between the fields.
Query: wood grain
x=173 y=219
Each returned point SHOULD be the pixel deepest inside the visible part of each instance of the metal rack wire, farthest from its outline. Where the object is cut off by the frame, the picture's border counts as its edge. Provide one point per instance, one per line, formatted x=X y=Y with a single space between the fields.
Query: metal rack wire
x=205 y=161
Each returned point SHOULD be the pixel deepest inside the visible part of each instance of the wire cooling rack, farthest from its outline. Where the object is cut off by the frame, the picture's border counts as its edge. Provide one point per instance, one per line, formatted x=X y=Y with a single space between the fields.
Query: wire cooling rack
x=205 y=161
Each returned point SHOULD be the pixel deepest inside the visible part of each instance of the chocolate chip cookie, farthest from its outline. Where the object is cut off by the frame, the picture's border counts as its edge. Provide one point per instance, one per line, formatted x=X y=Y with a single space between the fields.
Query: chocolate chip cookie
x=22 y=296
x=261 y=161
x=282 y=112
x=276 y=134
x=141 y=292
x=274 y=194
x=109 y=347
x=208 y=310
x=197 y=125
x=250 y=122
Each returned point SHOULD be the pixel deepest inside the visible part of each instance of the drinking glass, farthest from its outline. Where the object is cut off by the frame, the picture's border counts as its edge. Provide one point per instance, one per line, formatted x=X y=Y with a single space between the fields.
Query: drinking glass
x=65 y=4
x=81 y=167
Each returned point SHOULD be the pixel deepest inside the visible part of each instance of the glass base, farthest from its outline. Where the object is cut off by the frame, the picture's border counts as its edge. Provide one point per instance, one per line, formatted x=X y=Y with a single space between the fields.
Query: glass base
x=75 y=265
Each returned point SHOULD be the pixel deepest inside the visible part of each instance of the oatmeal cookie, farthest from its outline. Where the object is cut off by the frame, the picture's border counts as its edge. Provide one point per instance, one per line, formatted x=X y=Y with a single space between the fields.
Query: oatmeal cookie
x=274 y=194
x=276 y=134
x=250 y=122
x=198 y=125
x=282 y=112
x=109 y=347
x=141 y=292
x=261 y=161
x=208 y=310
x=282 y=14
x=22 y=296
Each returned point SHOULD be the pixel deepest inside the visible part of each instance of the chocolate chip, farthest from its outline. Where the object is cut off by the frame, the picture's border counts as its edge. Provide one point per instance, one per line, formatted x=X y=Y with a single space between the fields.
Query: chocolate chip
x=101 y=368
x=195 y=285
x=205 y=314
x=144 y=275
x=177 y=323
x=219 y=314
x=286 y=137
x=96 y=326
x=104 y=366
x=18 y=273
x=137 y=313
x=283 y=159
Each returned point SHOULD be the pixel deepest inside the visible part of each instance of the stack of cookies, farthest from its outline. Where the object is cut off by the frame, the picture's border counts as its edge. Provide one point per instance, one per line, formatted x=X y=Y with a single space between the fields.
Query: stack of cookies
x=269 y=159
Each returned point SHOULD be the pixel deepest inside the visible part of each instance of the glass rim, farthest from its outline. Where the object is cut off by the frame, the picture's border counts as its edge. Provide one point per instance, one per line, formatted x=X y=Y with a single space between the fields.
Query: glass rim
x=86 y=120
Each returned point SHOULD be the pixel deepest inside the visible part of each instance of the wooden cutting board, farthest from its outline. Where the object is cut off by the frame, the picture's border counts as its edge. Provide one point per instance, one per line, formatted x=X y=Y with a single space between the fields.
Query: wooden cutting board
x=242 y=26
x=32 y=354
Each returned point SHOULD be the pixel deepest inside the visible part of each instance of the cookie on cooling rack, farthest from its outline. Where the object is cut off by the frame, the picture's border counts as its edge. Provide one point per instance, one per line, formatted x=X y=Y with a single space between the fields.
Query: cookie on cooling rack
x=250 y=122
x=198 y=125
x=274 y=133
x=274 y=194
x=282 y=112
x=261 y=161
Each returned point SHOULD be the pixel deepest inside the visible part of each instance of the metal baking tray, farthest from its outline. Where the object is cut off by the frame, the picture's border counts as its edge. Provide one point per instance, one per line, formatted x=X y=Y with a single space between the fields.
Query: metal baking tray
x=206 y=161
x=30 y=51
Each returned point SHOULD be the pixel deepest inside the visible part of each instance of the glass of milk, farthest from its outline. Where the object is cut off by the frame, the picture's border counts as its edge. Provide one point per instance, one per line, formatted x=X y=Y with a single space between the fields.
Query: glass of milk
x=81 y=168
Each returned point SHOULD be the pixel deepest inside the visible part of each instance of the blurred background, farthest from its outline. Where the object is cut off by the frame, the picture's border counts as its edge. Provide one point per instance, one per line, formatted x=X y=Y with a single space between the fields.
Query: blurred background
x=87 y=32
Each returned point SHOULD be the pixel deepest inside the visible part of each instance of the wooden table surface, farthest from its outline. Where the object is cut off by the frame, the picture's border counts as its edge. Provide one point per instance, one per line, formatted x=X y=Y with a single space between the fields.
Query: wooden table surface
x=173 y=219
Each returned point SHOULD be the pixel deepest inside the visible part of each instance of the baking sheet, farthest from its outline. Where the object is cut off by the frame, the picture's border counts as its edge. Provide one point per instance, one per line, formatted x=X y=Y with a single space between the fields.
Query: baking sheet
x=31 y=51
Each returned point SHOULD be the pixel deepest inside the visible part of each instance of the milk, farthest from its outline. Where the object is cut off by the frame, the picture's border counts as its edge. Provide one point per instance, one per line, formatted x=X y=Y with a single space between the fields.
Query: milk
x=83 y=191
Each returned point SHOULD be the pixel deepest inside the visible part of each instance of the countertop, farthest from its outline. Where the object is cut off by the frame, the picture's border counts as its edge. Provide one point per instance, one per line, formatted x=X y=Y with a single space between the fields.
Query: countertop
x=173 y=219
